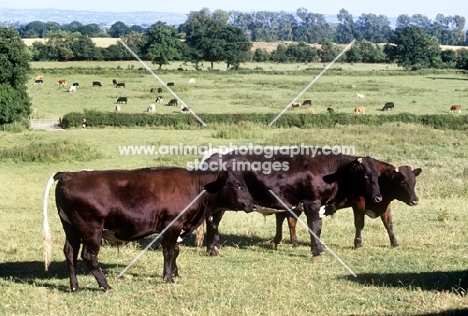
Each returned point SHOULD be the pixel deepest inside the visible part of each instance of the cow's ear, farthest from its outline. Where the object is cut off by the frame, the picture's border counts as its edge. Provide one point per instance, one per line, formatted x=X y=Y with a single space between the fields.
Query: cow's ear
x=217 y=185
x=331 y=178
x=417 y=172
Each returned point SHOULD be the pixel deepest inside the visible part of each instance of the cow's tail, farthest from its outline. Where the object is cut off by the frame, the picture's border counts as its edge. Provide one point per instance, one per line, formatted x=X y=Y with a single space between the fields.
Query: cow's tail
x=46 y=233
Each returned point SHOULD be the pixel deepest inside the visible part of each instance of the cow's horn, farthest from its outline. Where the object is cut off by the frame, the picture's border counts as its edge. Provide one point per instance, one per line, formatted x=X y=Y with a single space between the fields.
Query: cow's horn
x=359 y=160
x=396 y=169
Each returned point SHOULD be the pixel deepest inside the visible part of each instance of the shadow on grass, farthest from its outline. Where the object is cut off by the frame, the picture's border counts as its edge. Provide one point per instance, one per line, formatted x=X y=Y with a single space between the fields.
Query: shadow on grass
x=445 y=78
x=32 y=273
x=456 y=281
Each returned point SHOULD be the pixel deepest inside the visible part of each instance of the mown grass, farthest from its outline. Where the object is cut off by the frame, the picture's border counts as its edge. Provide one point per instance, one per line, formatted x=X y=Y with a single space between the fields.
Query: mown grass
x=427 y=274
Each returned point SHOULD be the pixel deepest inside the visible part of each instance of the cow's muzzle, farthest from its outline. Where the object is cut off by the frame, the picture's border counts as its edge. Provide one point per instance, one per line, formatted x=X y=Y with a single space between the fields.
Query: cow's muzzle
x=378 y=199
x=413 y=203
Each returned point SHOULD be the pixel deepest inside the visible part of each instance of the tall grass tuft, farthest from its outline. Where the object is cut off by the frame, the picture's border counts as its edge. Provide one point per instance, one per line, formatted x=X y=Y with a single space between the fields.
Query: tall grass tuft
x=51 y=152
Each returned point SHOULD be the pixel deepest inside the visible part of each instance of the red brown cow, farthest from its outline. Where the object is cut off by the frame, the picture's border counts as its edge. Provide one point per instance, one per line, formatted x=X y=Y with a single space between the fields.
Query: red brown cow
x=62 y=82
x=455 y=108
x=127 y=205
x=395 y=184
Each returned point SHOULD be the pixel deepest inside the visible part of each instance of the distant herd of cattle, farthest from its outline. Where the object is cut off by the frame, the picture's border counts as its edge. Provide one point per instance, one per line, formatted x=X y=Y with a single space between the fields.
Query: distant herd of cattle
x=174 y=102
x=127 y=205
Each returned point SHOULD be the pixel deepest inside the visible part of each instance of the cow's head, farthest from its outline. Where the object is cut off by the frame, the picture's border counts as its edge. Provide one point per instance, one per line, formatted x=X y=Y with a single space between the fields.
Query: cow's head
x=361 y=177
x=232 y=191
x=403 y=182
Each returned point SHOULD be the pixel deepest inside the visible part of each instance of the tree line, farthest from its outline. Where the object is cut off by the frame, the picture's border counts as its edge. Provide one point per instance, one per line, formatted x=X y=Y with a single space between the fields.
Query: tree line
x=227 y=37
x=301 y=26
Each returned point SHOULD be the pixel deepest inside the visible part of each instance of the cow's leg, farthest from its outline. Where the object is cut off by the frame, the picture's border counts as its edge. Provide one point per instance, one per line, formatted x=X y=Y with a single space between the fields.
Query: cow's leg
x=89 y=255
x=170 y=253
x=314 y=223
x=279 y=229
x=359 y=217
x=213 y=243
x=292 y=221
x=70 y=250
x=387 y=221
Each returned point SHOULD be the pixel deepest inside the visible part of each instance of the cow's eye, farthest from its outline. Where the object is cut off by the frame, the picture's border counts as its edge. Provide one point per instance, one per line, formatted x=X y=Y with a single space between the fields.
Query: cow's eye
x=366 y=176
x=402 y=182
x=237 y=186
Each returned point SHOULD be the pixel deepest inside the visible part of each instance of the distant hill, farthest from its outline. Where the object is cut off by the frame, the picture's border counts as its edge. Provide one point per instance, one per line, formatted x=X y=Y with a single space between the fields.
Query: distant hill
x=17 y=17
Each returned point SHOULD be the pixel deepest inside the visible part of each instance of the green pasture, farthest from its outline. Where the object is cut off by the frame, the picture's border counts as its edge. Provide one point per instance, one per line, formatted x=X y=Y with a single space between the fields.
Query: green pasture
x=426 y=275
x=257 y=88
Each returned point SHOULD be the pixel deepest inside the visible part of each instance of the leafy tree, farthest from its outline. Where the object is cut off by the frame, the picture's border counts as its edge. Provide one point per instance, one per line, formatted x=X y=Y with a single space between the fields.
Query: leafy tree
x=14 y=67
x=280 y=54
x=261 y=55
x=353 y=55
x=346 y=30
x=462 y=59
x=213 y=40
x=413 y=48
x=329 y=51
x=162 y=44
x=118 y=29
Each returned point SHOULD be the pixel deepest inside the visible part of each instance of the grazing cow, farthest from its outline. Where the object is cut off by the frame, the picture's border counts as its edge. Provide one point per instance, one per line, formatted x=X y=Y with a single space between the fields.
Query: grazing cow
x=296 y=105
x=358 y=95
x=170 y=84
x=75 y=84
x=72 y=89
x=97 y=84
x=122 y=100
x=313 y=181
x=159 y=99
x=173 y=102
x=395 y=184
x=117 y=108
x=38 y=81
x=152 y=90
x=330 y=110
x=40 y=77
x=191 y=81
x=455 y=108
x=310 y=111
x=127 y=205
x=307 y=102
x=217 y=84
x=114 y=82
x=62 y=82
x=359 y=110
x=184 y=109
x=388 y=106
x=160 y=90
x=151 y=108
x=120 y=85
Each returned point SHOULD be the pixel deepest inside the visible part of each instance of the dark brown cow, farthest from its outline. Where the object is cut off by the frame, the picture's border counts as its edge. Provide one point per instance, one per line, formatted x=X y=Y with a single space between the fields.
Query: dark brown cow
x=122 y=100
x=120 y=85
x=160 y=90
x=395 y=184
x=127 y=205
x=173 y=102
x=97 y=84
x=388 y=106
x=307 y=102
x=313 y=182
x=170 y=84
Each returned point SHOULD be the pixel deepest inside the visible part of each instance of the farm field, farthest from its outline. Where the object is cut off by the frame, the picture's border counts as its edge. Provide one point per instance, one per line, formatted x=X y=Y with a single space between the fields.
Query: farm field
x=267 y=91
x=426 y=275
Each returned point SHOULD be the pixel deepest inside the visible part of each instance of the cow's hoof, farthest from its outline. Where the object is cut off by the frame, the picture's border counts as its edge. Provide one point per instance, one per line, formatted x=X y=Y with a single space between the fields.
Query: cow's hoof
x=356 y=247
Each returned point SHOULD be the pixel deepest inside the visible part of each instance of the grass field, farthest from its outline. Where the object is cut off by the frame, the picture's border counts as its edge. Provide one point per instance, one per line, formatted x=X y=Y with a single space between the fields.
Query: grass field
x=426 y=275
x=269 y=91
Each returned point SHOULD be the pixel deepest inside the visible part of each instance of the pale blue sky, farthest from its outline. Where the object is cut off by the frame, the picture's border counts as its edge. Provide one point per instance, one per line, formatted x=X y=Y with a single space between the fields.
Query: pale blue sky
x=389 y=8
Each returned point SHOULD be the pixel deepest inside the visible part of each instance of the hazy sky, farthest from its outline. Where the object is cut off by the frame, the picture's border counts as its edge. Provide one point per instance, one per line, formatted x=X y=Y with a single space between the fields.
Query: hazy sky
x=389 y=8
